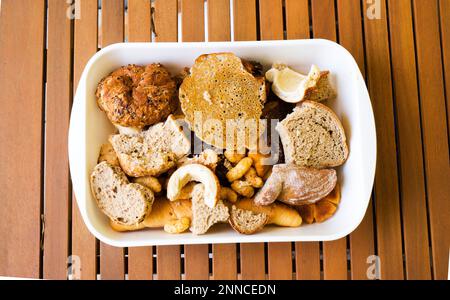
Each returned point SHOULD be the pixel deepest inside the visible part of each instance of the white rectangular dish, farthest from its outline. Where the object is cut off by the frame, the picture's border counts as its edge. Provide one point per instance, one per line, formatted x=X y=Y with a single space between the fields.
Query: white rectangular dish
x=89 y=129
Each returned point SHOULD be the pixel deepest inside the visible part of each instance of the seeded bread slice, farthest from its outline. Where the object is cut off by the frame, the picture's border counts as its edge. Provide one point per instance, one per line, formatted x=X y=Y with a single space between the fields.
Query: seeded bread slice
x=123 y=202
x=246 y=221
x=313 y=136
x=203 y=216
x=151 y=152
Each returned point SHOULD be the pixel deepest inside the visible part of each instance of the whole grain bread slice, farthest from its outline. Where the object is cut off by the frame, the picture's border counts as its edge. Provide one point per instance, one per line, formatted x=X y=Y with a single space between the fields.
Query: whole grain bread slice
x=247 y=221
x=313 y=136
x=151 y=152
x=123 y=202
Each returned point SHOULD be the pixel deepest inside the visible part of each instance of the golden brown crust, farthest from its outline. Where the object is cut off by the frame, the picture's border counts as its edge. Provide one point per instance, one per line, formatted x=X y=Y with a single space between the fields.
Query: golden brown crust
x=137 y=96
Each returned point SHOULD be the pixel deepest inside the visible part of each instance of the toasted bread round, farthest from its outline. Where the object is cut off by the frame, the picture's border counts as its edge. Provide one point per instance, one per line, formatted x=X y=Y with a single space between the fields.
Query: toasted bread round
x=222 y=101
x=247 y=221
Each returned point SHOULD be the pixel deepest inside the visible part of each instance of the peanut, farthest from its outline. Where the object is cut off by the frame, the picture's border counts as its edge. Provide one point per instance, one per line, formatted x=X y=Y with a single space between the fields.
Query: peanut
x=240 y=169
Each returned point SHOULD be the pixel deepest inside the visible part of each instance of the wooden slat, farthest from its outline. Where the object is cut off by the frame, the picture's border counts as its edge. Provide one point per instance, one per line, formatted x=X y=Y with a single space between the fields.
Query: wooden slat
x=196 y=257
x=334 y=252
x=140 y=263
x=224 y=255
x=434 y=128
x=307 y=260
x=414 y=209
x=324 y=19
x=335 y=260
x=112 y=265
x=252 y=261
x=444 y=11
x=224 y=262
x=168 y=262
x=196 y=262
x=166 y=20
x=244 y=20
x=387 y=207
x=140 y=259
x=271 y=19
x=192 y=20
x=139 y=28
x=21 y=82
x=271 y=28
x=280 y=261
x=85 y=45
x=307 y=255
x=350 y=36
x=57 y=194
x=297 y=19
x=219 y=28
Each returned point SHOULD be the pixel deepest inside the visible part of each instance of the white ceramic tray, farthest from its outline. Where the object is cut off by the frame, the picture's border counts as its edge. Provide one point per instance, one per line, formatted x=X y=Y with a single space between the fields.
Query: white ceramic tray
x=89 y=128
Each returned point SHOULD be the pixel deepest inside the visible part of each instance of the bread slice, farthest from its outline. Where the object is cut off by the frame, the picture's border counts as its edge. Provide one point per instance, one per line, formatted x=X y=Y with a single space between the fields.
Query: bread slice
x=313 y=136
x=220 y=90
x=203 y=216
x=151 y=152
x=246 y=221
x=123 y=202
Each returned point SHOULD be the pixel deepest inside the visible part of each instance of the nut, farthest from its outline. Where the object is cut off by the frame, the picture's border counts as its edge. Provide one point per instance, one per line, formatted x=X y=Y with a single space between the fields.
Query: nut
x=150 y=182
x=243 y=188
x=228 y=194
x=252 y=178
x=233 y=156
x=240 y=169
x=177 y=226
x=194 y=172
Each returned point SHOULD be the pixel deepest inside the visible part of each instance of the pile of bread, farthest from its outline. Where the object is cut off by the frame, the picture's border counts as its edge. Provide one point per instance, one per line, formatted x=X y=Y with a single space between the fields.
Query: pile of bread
x=146 y=176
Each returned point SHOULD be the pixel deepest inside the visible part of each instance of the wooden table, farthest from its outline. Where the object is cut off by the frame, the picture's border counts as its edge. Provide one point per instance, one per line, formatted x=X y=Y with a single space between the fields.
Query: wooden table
x=404 y=55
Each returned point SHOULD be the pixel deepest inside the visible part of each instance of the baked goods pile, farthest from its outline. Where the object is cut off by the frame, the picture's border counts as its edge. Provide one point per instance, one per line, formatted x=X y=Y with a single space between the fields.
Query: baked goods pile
x=200 y=148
